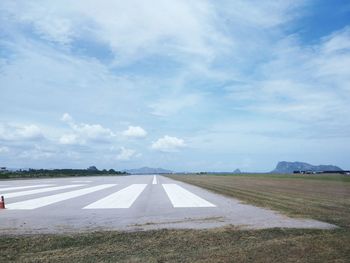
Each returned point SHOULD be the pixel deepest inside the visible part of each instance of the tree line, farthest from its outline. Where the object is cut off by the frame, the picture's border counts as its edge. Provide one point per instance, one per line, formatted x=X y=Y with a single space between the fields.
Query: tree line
x=91 y=171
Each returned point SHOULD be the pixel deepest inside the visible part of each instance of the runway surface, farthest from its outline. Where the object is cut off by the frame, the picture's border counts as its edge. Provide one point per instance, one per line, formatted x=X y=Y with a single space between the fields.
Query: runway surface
x=136 y=202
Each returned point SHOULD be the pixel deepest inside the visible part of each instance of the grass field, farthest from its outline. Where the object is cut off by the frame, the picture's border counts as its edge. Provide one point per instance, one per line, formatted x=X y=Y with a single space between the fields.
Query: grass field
x=217 y=245
x=325 y=198
x=322 y=197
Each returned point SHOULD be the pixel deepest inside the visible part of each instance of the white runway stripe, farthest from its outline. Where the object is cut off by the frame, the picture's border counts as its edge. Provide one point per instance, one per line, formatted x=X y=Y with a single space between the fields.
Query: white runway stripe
x=23 y=187
x=180 y=197
x=154 y=179
x=42 y=190
x=48 y=200
x=121 y=199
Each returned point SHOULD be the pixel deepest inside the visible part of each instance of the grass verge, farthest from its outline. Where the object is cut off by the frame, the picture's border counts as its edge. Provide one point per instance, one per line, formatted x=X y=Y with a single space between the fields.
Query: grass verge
x=299 y=196
x=216 y=245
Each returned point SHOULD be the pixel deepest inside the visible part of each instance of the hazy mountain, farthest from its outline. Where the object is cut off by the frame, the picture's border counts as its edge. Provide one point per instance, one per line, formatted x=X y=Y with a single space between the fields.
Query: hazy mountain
x=290 y=167
x=92 y=168
x=237 y=171
x=148 y=170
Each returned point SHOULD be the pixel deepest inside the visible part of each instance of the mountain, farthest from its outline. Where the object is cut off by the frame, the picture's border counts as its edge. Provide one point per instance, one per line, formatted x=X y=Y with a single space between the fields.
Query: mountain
x=92 y=168
x=290 y=167
x=148 y=170
x=237 y=171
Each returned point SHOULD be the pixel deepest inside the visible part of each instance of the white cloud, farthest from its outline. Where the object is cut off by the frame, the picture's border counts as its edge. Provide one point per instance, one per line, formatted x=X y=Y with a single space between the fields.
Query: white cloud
x=29 y=132
x=134 y=29
x=129 y=28
x=174 y=105
x=308 y=85
x=67 y=118
x=18 y=132
x=197 y=45
x=135 y=131
x=35 y=154
x=261 y=14
x=126 y=154
x=337 y=42
x=4 y=149
x=81 y=132
x=55 y=71
x=69 y=139
x=168 y=144
x=93 y=131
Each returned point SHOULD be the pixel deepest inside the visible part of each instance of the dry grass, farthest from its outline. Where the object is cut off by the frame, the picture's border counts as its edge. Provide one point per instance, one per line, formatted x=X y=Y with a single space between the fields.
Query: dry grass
x=326 y=199
x=217 y=245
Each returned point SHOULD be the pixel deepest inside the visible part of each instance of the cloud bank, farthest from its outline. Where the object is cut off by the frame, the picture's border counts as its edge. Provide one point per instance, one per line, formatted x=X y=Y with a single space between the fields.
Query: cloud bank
x=245 y=82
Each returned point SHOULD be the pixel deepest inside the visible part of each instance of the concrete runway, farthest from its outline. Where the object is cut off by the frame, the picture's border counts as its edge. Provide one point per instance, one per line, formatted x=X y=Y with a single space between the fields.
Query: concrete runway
x=126 y=203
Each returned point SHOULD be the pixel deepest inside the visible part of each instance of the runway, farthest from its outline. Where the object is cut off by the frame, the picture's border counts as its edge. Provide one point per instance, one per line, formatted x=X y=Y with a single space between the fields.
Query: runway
x=136 y=202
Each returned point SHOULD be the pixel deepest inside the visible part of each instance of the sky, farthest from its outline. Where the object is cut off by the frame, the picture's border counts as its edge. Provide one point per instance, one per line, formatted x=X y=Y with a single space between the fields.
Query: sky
x=186 y=85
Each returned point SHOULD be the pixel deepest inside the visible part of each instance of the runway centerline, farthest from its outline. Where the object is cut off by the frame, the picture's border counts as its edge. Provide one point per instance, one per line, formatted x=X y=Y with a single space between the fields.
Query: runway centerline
x=154 y=179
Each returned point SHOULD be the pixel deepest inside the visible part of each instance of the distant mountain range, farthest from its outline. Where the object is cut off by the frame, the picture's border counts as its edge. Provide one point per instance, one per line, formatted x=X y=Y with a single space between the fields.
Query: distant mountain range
x=290 y=167
x=148 y=170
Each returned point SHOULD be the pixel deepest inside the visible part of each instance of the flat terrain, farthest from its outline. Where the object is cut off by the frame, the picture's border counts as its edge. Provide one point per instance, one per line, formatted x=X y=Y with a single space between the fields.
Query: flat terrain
x=325 y=199
x=213 y=245
x=127 y=203
x=322 y=197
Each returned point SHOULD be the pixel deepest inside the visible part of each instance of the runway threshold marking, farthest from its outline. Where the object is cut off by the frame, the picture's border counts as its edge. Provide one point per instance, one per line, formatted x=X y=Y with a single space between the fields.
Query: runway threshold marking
x=48 y=200
x=41 y=190
x=154 y=179
x=23 y=187
x=121 y=199
x=180 y=197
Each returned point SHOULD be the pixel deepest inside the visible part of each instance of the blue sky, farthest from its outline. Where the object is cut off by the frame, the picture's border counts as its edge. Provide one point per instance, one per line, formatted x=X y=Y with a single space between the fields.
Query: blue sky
x=184 y=85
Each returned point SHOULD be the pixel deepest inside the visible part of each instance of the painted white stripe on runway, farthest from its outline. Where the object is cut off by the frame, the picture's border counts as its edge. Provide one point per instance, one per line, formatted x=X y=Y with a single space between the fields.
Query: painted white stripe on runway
x=42 y=190
x=23 y=187
x=154 y=179
x=48 y=200
x=180 y=197
x=121 y=199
